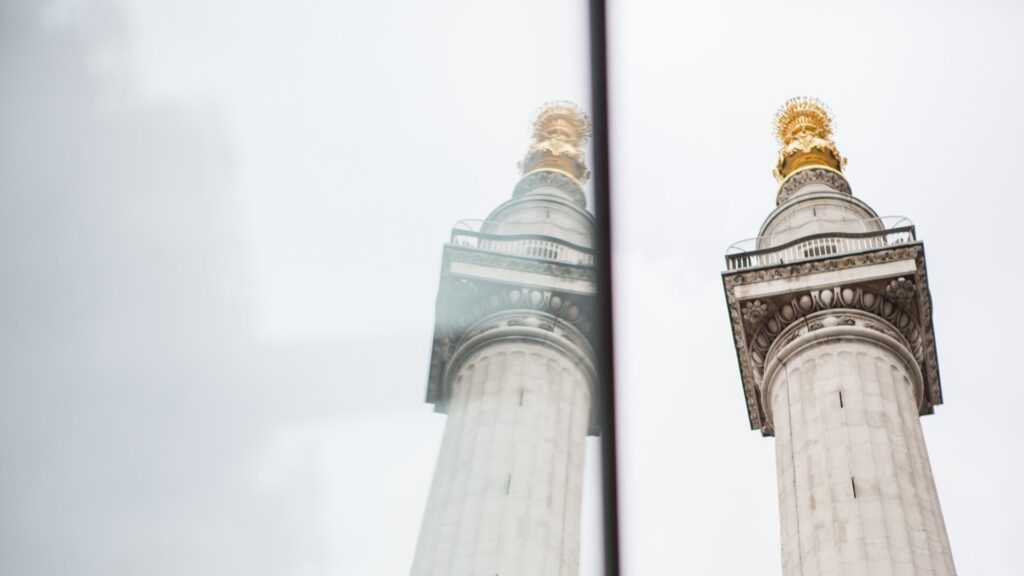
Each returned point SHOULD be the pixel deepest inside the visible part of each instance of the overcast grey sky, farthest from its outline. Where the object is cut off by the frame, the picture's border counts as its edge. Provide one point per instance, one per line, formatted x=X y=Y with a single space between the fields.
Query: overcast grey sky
x=222 y=225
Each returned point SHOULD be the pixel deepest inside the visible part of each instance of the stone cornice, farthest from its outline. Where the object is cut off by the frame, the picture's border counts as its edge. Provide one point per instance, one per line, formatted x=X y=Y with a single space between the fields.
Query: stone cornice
x=902 y=301
x=518 y=263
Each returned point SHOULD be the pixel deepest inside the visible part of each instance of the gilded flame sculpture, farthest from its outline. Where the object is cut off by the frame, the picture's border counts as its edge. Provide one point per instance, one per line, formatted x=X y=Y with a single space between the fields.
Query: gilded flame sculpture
x=803 y=127
x=560 y=133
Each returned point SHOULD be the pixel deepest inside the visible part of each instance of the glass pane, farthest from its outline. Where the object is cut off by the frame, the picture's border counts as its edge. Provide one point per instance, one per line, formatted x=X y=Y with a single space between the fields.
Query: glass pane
x=244 y=242
x=930 y=120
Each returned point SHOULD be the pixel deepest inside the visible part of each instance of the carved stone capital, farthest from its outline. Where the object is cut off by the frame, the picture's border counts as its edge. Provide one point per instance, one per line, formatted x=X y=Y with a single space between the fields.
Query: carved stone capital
x=830 y=325
x=890 y=284
x=530 y=326
x=482 y=291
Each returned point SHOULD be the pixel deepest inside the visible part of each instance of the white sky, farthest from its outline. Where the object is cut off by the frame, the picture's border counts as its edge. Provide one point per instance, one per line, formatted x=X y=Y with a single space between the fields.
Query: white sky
x=223 y=224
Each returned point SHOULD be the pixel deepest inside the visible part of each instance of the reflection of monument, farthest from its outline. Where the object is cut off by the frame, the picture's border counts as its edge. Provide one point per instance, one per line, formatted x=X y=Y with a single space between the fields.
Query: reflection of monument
x=513 y=368
x=831 y=316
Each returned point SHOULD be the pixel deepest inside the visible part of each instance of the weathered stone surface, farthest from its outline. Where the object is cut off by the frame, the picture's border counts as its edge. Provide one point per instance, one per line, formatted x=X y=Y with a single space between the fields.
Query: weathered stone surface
x=856 y=492
x=862 y=281
x=507 y=492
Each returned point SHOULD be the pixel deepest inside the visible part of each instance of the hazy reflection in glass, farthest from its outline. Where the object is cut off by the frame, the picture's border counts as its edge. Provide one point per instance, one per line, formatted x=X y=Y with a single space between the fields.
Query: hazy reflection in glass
x=220 y=231
x=514 y=369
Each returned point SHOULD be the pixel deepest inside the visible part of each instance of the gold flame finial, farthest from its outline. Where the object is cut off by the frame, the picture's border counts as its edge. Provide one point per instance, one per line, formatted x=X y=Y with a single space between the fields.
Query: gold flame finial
x=560 y=133
x=803 y=126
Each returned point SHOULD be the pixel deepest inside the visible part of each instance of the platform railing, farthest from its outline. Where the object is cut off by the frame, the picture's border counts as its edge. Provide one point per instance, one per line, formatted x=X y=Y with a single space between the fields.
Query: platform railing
x=530 y=245
x=866 y=225
x=820 y=246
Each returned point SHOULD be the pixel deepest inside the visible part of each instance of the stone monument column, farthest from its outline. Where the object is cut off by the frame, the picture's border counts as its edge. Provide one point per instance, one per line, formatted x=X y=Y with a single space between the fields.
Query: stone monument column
x=513 y=368
x=832 y=323
x=856 y=493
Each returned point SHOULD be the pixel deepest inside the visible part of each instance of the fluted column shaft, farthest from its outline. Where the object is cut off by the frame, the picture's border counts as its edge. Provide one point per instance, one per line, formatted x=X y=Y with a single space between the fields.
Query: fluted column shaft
x=856 y=492
x=507 y=492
